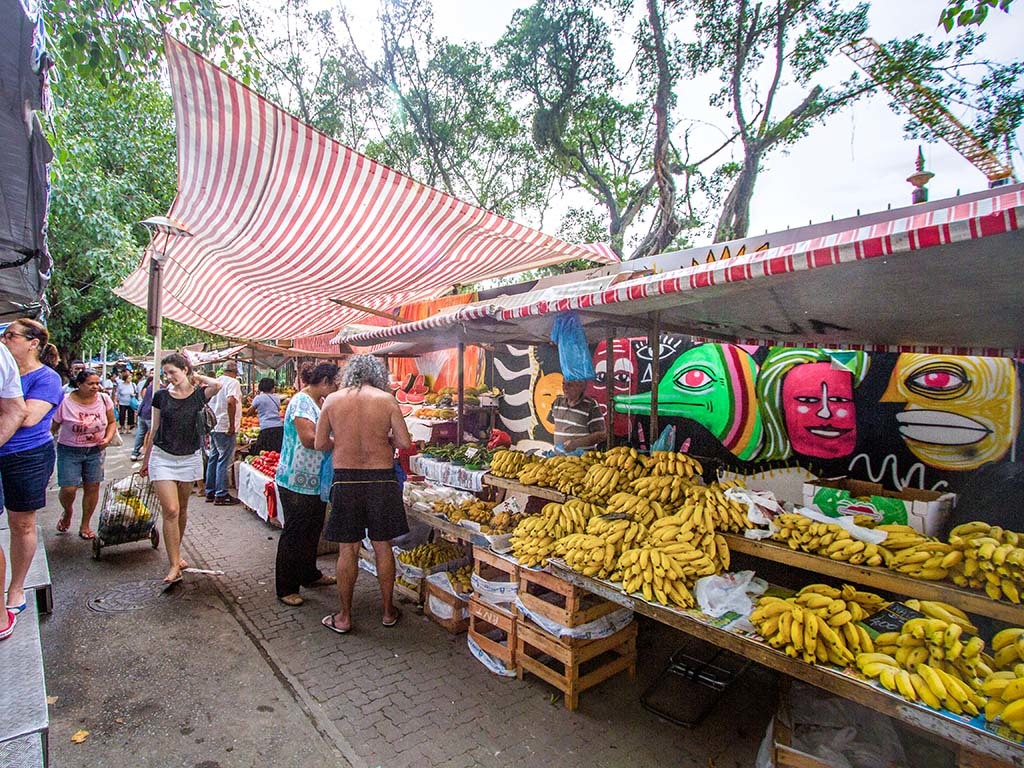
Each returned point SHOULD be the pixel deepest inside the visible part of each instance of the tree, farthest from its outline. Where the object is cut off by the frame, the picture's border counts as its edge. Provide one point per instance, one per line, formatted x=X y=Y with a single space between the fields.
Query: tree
x=122 y=39
x=114 y=165
x=446 y=118
x=756 y=49
x=588 y=124
x=959 y=13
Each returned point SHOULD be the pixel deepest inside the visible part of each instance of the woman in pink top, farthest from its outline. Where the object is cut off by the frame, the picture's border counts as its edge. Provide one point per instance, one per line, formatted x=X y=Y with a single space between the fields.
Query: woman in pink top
x=84 y=424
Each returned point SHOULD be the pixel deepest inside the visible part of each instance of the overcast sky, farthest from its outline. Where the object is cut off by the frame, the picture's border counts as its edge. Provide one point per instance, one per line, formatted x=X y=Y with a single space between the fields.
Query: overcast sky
x=859 y=160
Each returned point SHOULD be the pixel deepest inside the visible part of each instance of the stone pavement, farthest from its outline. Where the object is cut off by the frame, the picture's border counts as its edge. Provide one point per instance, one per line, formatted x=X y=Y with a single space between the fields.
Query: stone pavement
x=219 y=673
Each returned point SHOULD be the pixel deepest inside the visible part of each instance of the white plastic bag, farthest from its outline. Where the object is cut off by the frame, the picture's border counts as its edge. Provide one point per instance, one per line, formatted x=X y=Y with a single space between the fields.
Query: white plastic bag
x=492 y=663
x=494 y=592
x=718 y=595
x=440 y=608
x=605 y=626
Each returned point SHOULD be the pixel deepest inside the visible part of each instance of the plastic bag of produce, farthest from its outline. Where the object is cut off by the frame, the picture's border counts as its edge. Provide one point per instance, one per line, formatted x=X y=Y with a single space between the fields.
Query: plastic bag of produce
x=603 y=627
x=493 y=664
x=573 y=352
x=440 y=608
x=494 y=592
x=718 y=595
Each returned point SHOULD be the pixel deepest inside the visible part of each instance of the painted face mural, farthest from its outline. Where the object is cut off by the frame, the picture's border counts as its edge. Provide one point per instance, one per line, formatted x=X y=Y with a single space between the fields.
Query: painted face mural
x=817 y=401
x=961 y=411
x=712 y=384
x=548 y=387
x=623 y=378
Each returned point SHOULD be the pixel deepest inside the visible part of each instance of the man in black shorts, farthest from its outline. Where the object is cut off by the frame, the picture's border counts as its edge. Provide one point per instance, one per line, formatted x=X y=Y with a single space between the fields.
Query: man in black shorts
x=362 y=425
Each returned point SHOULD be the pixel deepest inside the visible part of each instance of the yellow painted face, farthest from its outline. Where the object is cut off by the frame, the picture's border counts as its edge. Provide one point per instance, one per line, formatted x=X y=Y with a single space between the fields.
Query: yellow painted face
x=548 y=387
x=961 y=411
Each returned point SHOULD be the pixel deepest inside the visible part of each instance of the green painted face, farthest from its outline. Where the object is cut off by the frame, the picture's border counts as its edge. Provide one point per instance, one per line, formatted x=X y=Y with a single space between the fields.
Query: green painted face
x=712 y=384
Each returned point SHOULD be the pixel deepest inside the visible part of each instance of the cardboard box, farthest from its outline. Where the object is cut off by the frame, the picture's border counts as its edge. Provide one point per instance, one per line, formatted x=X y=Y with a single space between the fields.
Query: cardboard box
x=925 y=511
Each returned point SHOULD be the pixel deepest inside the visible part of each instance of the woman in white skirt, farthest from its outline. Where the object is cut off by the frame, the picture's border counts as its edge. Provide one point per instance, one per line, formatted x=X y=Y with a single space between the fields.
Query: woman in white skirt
x=172 y=458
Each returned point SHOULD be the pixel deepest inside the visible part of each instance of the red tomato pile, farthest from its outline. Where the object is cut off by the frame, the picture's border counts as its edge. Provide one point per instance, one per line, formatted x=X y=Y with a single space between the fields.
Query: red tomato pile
x=266 y=462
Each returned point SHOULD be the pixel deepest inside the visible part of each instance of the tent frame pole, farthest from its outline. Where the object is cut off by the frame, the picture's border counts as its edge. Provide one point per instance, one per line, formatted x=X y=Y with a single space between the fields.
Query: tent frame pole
x=460 y=412
x=654 y=342
x=609 y=386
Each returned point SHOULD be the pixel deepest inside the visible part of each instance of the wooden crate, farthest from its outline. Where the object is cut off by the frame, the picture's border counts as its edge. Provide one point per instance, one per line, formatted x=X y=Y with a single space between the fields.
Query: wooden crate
x=496 y=568
x=457 y=623
x=494 y=630
x=560 y=601
x=407 y=593
x=563 y=667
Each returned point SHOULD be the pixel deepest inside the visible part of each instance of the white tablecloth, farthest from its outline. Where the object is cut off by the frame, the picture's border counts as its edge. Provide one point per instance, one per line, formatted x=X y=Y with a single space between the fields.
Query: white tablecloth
x=422 y=430
x=447 y=473
x=251 y=491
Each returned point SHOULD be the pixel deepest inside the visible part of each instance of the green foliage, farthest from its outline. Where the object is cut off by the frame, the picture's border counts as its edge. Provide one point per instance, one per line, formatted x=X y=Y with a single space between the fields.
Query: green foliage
x=122 y=39
x=960 y=13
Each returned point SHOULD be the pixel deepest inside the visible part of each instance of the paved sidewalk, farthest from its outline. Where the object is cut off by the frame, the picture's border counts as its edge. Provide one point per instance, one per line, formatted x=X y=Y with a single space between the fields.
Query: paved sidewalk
x=219 y=673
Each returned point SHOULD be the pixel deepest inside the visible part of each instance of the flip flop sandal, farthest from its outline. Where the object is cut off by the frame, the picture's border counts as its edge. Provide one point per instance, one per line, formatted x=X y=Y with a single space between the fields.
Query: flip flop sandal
x=398 y=615
x=87 y=535
x=16 y=609
x=328 y=621
x=63 y=524
x=5 y=633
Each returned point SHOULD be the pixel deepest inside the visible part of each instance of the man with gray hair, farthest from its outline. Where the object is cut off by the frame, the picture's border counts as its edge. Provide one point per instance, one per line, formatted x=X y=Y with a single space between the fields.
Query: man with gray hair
x=362 y=425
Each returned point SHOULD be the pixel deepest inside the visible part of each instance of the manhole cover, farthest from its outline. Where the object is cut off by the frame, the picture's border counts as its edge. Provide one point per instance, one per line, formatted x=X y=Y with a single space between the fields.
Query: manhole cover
x=134 y=596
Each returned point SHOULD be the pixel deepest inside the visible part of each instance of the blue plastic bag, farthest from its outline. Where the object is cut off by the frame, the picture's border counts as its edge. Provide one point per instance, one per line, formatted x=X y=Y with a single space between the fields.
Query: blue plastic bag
x=326 y=476
x=573 y=352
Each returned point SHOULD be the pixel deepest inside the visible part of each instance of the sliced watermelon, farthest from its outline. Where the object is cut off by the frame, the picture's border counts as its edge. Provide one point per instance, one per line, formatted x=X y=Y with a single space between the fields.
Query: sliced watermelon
x=406 y=409
x=400 y=396
x=415 y=398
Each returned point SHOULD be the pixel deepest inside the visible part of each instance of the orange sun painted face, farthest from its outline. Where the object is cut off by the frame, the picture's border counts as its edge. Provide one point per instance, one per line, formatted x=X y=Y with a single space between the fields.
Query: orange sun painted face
x=548 y=387
x=961 y=412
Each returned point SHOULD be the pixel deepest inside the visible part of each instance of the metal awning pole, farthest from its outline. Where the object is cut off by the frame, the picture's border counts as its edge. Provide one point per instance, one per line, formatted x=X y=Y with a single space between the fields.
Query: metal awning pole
x=654 y=342
x=460 y=412
x=609 y=387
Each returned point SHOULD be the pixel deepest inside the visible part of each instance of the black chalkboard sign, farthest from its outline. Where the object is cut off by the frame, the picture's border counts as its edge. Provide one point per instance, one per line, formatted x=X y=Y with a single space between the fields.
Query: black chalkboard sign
x=889 y=619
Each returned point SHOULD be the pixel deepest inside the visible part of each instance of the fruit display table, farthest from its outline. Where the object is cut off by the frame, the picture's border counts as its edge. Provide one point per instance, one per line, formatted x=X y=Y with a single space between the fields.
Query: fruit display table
x=447 y=473
x=252 y=492
x=969 y=733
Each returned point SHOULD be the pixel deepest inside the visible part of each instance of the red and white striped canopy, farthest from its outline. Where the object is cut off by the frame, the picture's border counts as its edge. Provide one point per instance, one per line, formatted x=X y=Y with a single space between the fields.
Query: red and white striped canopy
x=284 y=219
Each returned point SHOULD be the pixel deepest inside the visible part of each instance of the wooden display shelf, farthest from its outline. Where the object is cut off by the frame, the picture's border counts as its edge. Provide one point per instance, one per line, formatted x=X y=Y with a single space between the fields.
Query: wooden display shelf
x=560 y=601
x=974 y=740
x=967 y=600
x=455 y=624
x=447 y=527
x=530 y=490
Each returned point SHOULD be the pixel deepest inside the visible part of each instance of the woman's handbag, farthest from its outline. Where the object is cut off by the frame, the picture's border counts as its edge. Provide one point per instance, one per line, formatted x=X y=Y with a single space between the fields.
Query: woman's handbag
x=116 y=440
x=206 y=419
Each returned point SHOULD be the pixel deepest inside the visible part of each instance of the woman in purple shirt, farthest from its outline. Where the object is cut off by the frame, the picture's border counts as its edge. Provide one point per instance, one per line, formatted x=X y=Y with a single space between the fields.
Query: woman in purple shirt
x=27 y=459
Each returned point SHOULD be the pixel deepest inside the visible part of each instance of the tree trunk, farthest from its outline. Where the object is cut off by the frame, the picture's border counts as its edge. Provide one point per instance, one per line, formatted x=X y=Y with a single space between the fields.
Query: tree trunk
x=734 y=221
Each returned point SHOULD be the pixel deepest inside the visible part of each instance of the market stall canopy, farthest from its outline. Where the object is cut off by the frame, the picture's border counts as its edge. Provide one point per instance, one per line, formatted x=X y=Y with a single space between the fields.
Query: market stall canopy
x=285 y=219
x=936 y=278
x=265 y=355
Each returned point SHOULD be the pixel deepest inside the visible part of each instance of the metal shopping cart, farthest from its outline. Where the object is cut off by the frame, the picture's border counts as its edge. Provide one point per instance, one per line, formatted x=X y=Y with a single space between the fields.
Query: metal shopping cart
x=129 y=512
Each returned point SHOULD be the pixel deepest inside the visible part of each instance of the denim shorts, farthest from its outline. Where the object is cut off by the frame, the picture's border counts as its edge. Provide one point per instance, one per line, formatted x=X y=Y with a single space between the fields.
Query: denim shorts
x=25 y=475
x=79 y=465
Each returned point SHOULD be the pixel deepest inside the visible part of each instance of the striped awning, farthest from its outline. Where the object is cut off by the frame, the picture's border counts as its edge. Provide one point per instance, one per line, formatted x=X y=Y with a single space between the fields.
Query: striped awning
x=945 y=280
x=285 y=219
x=942 y=279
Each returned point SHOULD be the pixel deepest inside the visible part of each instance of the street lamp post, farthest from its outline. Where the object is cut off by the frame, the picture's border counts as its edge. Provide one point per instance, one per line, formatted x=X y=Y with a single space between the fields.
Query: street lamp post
x=158 y=225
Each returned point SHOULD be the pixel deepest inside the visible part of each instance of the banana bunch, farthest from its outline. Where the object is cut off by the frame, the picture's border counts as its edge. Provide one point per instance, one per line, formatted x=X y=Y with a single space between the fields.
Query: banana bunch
x=508 y=463
x=901 y=537
x=993 y=560
x=584 y=508
x=931 y=685
x=476 y=510
x=728 y=515
x=1005 y=690
x=500 y=523
x=543 y=472
x=622 y=534
x=816 y=624
x=569 y=473
x=630 y=464
x=662 y=573
x=938 y=644
x=461 y=580
x=638 y=508
x=533 y=541
x=667 y=490
x=825 y=539
x=1008 y=648
x=428 y=555
x=601 y=483
x=929 y=560
x=935 y=609
x=588 y=554
x=696 y=532
x=663 y=463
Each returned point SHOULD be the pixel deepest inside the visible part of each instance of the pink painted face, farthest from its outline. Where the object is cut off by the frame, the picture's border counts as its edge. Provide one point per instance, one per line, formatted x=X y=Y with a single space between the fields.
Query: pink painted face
x=817 y=402
x=624 y=376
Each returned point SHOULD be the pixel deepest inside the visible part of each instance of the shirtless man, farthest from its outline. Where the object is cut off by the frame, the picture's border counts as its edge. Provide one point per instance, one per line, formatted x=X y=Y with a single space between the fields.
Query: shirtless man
x=361 y=425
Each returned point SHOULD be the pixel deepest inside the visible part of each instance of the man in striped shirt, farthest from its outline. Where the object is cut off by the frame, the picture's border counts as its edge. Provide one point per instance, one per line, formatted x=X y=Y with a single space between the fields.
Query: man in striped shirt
x=578 y=420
